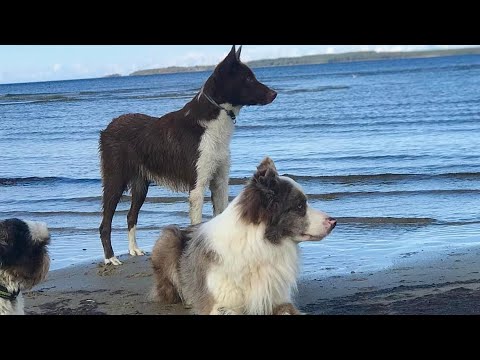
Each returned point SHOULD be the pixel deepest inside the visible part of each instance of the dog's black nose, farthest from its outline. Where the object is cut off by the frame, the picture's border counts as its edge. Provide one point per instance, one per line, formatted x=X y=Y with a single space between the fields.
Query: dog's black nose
x=272 y=95
x=332 y=222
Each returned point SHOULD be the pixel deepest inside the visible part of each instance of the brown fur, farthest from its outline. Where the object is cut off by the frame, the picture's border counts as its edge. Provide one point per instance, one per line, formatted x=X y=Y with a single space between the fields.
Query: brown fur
x=173 y=271
x=286 y=309
x=165 y=258
x=269 y=199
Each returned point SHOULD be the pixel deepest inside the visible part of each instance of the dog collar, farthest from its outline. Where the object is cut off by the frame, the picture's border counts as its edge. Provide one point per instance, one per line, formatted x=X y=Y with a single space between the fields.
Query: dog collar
x=213 y=102
x=7 y=295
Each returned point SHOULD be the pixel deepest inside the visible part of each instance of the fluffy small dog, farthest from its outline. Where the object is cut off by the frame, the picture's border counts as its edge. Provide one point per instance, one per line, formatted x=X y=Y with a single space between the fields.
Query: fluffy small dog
x=244 y=260
x=24 y=261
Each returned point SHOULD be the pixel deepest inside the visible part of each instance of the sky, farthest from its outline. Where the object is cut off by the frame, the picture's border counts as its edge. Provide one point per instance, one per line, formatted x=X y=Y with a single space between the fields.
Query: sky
x=28 y=63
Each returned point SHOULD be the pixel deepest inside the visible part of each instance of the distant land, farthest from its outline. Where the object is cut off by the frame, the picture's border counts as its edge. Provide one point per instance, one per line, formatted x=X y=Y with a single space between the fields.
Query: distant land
x=320 y=59
x=112 y=75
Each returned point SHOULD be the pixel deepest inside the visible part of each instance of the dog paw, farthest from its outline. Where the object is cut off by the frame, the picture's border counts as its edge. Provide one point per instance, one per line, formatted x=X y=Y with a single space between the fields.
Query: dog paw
x=136 y=252
x=113 y=261
x=225 y=311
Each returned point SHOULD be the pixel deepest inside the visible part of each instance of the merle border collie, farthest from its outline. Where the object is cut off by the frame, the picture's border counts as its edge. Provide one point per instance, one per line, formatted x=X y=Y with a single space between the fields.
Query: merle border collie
x=185 y=150
x=245 y=260
x=24 y=261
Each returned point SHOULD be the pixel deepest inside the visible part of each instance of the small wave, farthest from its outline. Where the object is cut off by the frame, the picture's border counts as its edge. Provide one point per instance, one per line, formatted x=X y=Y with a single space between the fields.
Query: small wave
x=74 y=230
x=363 y=125
x=42 y=180
x=317 y=89
x=26 y=214
x=94 y=230
x=456 y=67
x=385 y=71
x=385 y=221
x=459 y=223
x=342 y=179
x=338 y=195
x=366 y=178
x=113 y=91
x=35 y=98
x=169 y=95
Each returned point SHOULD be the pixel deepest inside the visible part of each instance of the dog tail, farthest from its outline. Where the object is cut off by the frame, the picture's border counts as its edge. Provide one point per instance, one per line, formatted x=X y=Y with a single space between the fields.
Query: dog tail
x=165 y=261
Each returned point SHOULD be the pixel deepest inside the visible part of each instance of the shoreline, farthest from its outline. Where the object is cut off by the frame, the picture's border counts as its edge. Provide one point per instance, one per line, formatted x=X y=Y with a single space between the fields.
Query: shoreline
x=446 y=285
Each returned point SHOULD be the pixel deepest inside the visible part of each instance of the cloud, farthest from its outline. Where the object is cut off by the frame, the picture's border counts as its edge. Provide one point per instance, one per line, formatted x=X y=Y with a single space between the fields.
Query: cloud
x=330 y=50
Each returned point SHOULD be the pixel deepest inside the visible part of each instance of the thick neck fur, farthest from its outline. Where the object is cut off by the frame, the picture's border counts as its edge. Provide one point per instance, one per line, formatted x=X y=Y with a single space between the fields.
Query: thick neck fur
x=266 y=271
x=8 y=307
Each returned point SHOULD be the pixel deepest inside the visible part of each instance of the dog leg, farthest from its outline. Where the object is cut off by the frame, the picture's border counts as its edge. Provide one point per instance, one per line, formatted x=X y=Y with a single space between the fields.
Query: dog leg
x=286 y=309
x=112 y=192
x=219 y=188
x=196 y=204
x=139 y=193
x=221 y=310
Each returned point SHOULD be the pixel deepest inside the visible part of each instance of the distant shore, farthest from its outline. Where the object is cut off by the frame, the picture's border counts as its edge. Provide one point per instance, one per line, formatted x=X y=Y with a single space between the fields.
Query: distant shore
x=319 y=59
x=446 y=285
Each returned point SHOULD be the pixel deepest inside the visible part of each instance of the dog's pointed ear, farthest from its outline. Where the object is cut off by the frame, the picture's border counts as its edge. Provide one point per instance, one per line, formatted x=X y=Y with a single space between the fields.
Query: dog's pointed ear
x=237 y=54
x=231 y=55
x=267 y=175
x=266 y=164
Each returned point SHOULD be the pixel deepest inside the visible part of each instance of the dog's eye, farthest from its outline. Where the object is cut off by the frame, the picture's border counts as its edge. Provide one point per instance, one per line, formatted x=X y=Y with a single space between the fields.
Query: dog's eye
x=301 y=206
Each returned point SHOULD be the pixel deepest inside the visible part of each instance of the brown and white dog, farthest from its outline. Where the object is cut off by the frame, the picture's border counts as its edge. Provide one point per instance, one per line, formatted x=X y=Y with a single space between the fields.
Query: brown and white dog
x=24 y=261
x=245 y=260
x=185 y=150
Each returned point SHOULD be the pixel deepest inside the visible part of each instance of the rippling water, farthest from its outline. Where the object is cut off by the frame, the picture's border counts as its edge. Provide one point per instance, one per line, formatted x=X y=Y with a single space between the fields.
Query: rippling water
x=390 y=148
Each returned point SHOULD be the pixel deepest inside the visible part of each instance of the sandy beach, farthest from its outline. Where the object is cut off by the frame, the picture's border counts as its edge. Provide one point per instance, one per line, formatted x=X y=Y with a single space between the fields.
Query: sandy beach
x=446 y=284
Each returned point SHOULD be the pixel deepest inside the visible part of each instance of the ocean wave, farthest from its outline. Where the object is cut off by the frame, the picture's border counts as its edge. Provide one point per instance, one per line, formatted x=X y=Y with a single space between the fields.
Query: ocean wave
x=34 y=180
x=63 y=213
x=316 y=196
x=30 y=98
x=340 y=179
x=338 y=195
x=375 y=178
x=401 y=221
x=385 y=221
x=404 y=70
x=167 y=95
x=113 y=91
x=457 y=120
x=9 y=99
x=317 y=89
x=70 y=230
x=349 y=221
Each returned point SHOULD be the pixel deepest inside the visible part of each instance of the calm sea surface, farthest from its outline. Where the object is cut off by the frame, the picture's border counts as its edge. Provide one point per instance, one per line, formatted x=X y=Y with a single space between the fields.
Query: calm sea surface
x=390 y=148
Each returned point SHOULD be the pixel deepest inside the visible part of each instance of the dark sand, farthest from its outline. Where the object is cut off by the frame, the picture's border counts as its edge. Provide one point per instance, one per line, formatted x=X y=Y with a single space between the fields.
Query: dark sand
x=449 y=284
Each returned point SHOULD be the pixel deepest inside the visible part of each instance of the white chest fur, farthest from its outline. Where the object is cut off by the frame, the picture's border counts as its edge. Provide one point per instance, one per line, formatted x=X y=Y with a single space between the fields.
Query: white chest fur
x=253 y=275
x=214 y=146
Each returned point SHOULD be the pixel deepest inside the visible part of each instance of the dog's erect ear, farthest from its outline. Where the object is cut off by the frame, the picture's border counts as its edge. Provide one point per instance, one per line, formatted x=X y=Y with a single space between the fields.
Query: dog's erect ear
x=231 y=55
x=267 y=175
x=266 y=164
x=237 y=54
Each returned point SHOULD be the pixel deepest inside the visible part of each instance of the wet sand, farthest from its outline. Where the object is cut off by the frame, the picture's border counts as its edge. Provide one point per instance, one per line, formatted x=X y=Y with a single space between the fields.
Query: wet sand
x=448 y=284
